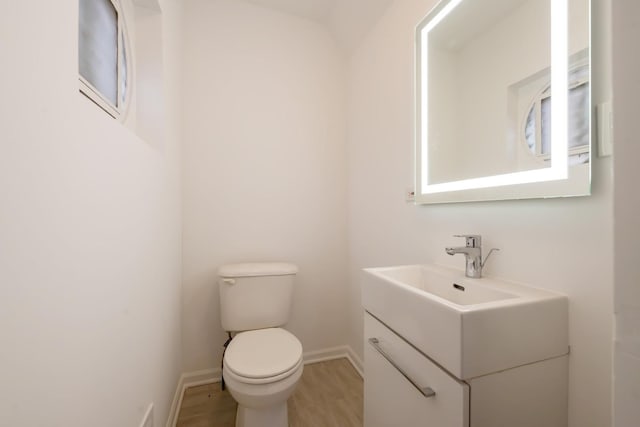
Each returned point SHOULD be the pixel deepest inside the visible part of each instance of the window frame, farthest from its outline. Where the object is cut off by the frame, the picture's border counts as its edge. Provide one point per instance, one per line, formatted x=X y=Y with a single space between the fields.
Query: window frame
x=123 y=55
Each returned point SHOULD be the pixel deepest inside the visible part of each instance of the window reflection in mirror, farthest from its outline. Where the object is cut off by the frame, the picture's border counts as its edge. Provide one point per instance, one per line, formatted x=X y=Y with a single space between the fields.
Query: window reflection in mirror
x=484 y=76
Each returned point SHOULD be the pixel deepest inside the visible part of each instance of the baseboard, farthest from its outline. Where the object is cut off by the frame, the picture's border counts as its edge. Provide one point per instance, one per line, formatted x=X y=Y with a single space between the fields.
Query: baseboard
x=356 y=362
x=190 y=379
x=209 y=376
x=172 y=419
x=335 y=353
x=147 y=420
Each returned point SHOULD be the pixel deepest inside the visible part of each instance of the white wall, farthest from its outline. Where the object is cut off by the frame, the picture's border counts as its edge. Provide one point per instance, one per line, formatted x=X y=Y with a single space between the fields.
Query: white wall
x=89 y=237
x=560 y=244
x=264 y=167
x=626 y=87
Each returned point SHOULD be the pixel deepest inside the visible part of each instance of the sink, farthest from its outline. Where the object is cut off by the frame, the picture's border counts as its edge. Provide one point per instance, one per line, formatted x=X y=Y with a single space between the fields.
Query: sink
x=470 y=327
x=439 y=283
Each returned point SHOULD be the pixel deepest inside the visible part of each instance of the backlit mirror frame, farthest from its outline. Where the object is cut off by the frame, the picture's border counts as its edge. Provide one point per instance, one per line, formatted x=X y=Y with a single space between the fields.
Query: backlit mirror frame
x=556 y=181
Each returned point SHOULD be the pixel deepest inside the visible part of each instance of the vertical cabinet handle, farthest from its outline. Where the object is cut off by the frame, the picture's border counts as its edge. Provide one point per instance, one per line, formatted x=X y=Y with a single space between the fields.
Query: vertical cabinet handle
x=425 y=391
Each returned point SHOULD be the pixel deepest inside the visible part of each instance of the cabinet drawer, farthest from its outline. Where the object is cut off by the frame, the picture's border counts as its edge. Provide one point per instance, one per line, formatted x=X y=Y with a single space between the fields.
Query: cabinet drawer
x=392 y=382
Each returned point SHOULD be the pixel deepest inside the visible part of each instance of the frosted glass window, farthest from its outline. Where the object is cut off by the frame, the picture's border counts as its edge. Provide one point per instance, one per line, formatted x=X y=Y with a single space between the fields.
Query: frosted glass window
x=579 y=126
x=530 y=130
x=102 y=56
x=123 y=73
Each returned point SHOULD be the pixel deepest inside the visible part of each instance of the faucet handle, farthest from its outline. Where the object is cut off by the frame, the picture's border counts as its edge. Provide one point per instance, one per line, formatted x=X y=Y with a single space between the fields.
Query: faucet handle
x=482 y=263
x=472 y=240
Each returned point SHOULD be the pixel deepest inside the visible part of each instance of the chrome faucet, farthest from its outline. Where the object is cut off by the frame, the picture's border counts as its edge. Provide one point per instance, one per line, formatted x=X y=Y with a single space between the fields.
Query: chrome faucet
x=472 y=253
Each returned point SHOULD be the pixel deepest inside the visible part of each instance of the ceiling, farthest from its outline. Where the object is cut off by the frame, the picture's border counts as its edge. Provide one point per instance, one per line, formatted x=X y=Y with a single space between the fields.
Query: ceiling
x=348 y=20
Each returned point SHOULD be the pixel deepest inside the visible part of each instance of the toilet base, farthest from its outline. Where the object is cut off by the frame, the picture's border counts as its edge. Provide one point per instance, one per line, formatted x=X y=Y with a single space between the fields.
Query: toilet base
x=273 y=416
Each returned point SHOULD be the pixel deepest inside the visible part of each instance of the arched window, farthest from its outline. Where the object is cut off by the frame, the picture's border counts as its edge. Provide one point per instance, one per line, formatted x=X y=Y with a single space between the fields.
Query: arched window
x=102 y=55
x=536 y=130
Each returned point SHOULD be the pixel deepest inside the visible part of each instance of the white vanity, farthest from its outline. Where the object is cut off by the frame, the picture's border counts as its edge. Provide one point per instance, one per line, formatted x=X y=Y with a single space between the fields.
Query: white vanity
x=444 y=350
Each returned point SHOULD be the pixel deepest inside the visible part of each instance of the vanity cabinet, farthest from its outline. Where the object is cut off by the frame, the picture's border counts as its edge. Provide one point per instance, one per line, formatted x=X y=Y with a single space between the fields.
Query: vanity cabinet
x=391 y=399
x=405 y=388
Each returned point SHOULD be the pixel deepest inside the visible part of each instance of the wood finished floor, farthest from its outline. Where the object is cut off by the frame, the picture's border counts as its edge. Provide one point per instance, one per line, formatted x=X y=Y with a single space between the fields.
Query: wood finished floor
x=329 y=394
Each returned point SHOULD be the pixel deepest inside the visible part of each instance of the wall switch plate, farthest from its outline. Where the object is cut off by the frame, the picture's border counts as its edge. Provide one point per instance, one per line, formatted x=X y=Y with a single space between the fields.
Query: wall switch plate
x=604 y=114
x=147 y=421
x=410 y=195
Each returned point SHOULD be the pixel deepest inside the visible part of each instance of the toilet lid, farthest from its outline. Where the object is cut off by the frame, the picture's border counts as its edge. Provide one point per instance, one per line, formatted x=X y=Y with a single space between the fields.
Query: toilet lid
x=263 y=353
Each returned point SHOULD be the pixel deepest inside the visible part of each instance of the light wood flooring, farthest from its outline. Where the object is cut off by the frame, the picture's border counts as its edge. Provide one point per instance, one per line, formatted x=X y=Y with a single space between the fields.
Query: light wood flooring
x=329 y=394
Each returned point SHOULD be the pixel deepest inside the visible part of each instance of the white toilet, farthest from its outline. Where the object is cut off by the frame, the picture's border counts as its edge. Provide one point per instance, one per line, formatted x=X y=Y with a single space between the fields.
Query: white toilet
x=262 y=363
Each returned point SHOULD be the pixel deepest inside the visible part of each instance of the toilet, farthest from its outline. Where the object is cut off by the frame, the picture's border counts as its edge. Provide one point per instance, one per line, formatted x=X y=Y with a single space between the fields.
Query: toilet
x=263 y=362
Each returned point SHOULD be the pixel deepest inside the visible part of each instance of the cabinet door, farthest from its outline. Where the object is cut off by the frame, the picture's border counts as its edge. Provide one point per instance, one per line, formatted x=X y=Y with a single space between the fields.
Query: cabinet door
x=391 y=400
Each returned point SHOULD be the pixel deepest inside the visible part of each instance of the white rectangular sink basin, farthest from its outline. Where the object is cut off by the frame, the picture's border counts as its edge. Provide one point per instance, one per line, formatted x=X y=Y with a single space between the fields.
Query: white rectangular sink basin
x=470 y=327
x=443 y=284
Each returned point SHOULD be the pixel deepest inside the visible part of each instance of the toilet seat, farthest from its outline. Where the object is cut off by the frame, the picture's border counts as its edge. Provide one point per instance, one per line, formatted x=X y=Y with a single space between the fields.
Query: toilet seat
x=263 y=356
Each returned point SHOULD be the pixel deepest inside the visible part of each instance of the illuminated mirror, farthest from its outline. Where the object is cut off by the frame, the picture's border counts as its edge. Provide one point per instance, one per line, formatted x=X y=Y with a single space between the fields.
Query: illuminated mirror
x=503 y=100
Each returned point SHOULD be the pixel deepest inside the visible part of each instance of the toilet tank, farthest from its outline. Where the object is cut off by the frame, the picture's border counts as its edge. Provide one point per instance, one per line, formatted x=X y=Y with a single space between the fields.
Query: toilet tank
x=255 y=295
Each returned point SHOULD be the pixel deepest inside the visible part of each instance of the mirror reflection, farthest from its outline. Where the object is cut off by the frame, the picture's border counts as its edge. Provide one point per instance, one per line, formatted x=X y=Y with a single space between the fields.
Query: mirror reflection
x=485 y=107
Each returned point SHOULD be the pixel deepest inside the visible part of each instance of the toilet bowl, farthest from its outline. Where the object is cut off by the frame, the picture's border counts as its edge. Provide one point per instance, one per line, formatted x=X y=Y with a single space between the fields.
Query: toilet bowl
x=261 y=370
